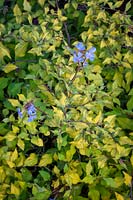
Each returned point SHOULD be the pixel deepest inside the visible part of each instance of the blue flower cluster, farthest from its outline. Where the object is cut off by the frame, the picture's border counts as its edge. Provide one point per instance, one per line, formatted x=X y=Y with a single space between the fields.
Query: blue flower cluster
x=31 y=111
x=81 y=55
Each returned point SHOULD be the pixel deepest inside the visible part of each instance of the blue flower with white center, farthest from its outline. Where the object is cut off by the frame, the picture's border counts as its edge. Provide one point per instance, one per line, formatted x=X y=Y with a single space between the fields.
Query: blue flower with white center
x=90 y=54
x=78 y=57
x=20 y=114
x=80 y=46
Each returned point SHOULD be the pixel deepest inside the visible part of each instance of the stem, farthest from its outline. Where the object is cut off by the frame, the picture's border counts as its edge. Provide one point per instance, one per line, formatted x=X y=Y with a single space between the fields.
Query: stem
x=75 y=75
x=67 y=34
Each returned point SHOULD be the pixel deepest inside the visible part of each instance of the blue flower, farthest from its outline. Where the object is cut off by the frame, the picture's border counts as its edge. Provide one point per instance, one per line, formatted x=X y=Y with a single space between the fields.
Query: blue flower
x=90 y=54
x=78 y=57
x=31 y=118
x=20 y=114
x=80 y=46
x=31 y=110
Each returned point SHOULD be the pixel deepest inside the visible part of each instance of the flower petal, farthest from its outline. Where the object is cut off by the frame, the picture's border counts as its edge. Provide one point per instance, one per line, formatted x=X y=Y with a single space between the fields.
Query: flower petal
x=80 y=46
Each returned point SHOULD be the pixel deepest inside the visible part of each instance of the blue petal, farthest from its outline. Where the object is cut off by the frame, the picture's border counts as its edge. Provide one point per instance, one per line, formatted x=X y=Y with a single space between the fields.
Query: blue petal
x=75 y=59
x=80 y=54
x=31 y=118
x=31 y=110
x=80 y=46
x=92 y=49
x=85 y=64
x=92 y=57
x=19 y=113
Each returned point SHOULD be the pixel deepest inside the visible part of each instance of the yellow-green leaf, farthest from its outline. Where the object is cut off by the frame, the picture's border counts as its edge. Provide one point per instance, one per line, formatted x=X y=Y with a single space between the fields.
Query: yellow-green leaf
x=41 y=2
x=101 y=15
x=63 y=100
x=9 y=67
x=118 y=4
x=17 y=13
x=56 y=170
x=70 y=153
x=31 y=160
x=103 y=44
x=128 y=6
x=89 y=168
x=46 y=159
x=4 y=51
x=131 y=159
x=14 y=155
x=14 y=189
x=119 y=196
x=21 y=97
x=27 y=6
x=14 y=102
x=98 y=118
x=127 y=179
x=20 y=49
x=21 y=144
x=2 y=174
x=58 y=113
x=11 y=164
x=37 y=141
x=15 y=129
x=72 y=177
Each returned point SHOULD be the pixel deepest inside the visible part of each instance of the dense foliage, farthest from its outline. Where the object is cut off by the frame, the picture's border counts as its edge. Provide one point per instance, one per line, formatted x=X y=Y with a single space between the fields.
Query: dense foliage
x=66 y=100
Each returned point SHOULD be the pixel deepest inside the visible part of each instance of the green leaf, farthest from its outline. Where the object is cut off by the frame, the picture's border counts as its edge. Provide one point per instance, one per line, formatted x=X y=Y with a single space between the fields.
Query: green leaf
x=9 y=67
x=110 y=182
x=46 y=159
x=94 y=194
x=89 y=179
x=26 y=174
x=45 y=175
x=130 y=103
x=3 y=82
x=44 y=130
x=125 y=123
x=40 y=193
x=37 y=141
x=31 y=160
x=20 y=49
x=14 y=89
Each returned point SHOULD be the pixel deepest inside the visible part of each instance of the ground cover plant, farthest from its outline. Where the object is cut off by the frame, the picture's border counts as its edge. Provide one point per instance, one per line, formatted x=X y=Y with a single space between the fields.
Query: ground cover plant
x=66 y=100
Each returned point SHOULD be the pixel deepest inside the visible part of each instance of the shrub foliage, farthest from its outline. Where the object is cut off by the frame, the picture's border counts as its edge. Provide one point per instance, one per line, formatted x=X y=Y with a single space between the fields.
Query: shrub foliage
x=79 y=144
